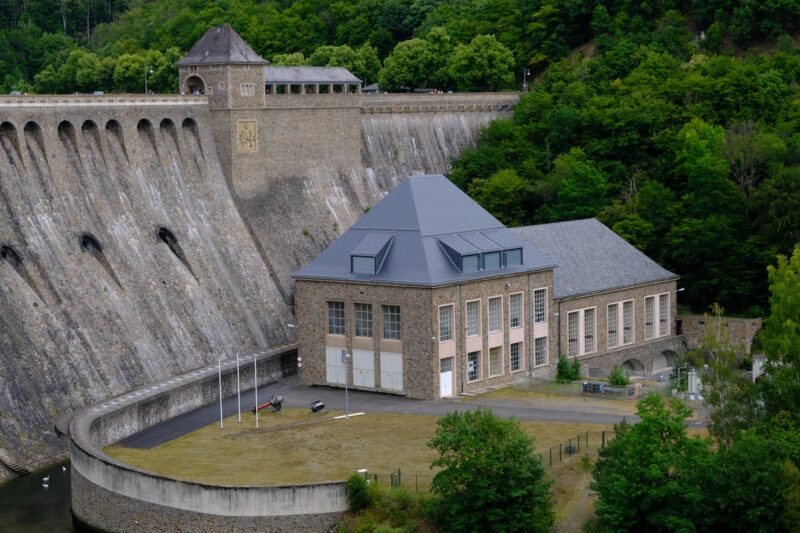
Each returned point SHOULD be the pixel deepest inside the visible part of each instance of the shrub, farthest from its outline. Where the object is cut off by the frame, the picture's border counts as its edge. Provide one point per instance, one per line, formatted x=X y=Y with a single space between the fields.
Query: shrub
x=357 y=492
x=567 y=371
x=618 y=377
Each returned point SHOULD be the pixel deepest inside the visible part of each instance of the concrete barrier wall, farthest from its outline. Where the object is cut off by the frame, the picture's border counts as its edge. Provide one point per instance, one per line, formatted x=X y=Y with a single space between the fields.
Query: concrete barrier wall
x=112 y=496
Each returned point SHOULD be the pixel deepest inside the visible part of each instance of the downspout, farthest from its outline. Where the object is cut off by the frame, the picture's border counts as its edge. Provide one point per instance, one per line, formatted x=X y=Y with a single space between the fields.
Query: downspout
x=559 y=328
x=529 y=327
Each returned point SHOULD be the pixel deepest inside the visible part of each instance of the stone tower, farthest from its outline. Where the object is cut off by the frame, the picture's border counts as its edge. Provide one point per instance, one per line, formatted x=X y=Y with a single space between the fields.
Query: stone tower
x=222 y=66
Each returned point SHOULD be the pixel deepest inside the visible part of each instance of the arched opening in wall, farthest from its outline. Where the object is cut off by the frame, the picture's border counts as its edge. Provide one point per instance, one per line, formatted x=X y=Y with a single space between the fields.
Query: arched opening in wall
x=194 y=85
x=66 y=132
x=633 y=367
x=169 y=134
x=10 y=144
x=90 y=244
x=115 y=138
x=91 y=136
x=167 y=237
x=34 y=142
x=146 y=134
x=664 y=361
x=191 y=135
x=14 y=260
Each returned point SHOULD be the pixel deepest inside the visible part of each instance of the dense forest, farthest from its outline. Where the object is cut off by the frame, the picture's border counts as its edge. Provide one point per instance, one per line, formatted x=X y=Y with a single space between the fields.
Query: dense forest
x=674 y=122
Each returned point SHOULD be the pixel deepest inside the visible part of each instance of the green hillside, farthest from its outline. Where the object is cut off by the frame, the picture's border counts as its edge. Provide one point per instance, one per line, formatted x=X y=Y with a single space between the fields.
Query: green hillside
x=673 y=122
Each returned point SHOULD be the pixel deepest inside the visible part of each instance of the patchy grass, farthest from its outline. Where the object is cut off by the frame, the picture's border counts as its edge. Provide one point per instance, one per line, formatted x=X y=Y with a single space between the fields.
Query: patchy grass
x=297 y=446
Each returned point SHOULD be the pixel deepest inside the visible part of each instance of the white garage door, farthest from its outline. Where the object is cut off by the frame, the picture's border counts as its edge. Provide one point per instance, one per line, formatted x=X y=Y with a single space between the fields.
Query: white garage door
x=334 y=368
x=392 y=371
x=364 y=368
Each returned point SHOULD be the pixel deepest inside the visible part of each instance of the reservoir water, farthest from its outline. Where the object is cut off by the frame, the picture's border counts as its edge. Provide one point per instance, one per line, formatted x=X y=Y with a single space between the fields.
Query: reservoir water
x=27 y=506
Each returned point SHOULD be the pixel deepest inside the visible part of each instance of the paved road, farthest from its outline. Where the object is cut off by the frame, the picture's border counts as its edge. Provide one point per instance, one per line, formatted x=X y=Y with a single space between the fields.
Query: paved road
x=297 y=395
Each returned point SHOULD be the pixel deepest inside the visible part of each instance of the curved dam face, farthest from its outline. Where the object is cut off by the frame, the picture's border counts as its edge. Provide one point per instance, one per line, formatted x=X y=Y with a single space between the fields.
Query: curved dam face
x=322 y=161
x=123 y=258
x=142 y=237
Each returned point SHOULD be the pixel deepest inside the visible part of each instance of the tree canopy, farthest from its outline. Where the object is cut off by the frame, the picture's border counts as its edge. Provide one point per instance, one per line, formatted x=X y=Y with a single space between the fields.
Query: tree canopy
x=490 y=478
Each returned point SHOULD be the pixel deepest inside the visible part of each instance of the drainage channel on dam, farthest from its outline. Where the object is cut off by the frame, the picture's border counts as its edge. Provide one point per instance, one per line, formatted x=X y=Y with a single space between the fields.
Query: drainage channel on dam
x=27 y=505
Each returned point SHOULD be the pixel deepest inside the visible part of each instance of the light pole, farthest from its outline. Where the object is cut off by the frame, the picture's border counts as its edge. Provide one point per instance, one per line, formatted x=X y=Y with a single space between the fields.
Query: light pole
x=147 y=70
x=525 y=73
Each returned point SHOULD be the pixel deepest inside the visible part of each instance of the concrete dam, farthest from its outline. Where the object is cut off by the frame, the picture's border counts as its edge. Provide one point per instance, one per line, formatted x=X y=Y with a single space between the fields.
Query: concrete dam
x=142 y=237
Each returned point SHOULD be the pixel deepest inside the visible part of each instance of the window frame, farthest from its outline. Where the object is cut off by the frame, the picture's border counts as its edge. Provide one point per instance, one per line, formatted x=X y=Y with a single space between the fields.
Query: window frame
x=499 y=351
x=476 y=367
x=573 y=341
x=520 y=356
x=384 y=309
x=331 y=326
x=498 y=320
x=451 y=308
x=477 y=304
x=545 y=355
x=357 y=319
x=520 y=311
x=536 y=318
x=589 y=335
x=612 y=332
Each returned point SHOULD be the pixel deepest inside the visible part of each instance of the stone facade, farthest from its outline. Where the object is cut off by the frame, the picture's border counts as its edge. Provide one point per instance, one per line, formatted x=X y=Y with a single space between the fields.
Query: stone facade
x=419 y=337
x=741 y=331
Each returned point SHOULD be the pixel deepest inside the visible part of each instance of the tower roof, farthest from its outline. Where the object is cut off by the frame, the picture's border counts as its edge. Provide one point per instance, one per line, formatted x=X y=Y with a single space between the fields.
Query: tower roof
x=426 y=232
x=221 y=45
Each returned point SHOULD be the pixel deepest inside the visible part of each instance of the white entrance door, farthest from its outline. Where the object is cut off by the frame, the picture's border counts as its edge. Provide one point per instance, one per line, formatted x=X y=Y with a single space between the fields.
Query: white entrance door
x=446 y=377
x=364 y=368
x=334 y=367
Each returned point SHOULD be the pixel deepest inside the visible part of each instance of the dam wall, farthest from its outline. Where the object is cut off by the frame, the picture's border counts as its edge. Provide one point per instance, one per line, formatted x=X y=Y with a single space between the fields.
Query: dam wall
x=144 y=236
x=123 y=257
x=305 y=167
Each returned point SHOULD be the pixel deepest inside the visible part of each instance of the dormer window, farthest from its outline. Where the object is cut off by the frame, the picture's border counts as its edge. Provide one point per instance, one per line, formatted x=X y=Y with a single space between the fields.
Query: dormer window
x=513 y=257
x=470 y=263
x=491 y=261
x=369 y=255
x=360 y=264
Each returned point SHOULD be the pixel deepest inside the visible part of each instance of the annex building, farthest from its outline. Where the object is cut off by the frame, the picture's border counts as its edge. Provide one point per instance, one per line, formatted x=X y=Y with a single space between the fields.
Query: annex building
x=432 y=296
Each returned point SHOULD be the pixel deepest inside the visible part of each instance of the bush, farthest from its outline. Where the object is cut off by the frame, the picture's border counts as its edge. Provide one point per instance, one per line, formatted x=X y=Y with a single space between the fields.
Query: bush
x=618 y=377
x=357 y=492
x=567 y=371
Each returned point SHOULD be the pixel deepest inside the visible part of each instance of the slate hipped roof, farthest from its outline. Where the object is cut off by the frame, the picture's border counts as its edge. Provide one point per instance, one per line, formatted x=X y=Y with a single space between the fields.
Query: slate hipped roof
x=298 y=75
x=591 y=258
x=221 y=45
x=412 y=220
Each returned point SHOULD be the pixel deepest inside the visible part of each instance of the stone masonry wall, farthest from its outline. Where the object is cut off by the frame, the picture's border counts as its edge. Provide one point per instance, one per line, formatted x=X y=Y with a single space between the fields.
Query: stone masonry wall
x=603 y=358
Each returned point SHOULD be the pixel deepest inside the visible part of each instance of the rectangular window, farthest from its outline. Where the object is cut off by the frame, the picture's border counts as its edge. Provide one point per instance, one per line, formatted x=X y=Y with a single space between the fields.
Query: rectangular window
x=572 y=333
x=539 y=306
x=627 y=322
x=491 y=261
x=446 y=323
x=362 y=265
x=663 y=315
x=363 y=320
x=495 y=361
x=446 y=365
x=588 y=330
x=540 y=351
x=336 y=318
x=613 y=309
x=473 y=366
x=469 y=263
x=391 y=321
x=473 y=318
x=495 y=314
x=649 y=303
x=515 y=310
x=515 y=352
x=247 y=89
x=514 y=257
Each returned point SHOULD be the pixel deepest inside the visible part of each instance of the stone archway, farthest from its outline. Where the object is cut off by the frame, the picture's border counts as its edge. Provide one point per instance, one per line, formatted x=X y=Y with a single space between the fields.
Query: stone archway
x=194 y=85
x=633 y=367
x=664 y=361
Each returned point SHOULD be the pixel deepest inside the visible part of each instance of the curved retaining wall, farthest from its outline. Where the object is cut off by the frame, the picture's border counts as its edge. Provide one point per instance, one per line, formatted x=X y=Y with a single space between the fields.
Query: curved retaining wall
x=112 y=496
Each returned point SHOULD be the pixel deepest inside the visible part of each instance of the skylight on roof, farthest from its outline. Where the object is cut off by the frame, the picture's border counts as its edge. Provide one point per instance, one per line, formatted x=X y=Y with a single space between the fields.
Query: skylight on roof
x=370 y=253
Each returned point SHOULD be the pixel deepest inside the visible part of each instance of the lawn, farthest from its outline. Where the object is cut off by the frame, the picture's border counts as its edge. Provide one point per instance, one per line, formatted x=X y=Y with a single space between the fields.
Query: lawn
x=297 y=446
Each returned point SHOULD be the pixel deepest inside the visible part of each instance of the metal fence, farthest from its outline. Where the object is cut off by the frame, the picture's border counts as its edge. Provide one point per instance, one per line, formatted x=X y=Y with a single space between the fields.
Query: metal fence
x=582 y=444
